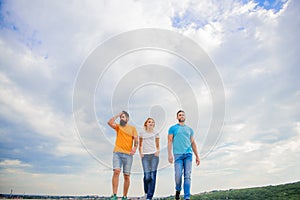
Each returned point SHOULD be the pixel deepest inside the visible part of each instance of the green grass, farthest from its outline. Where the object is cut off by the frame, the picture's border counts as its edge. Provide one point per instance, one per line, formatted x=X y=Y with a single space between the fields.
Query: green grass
x=289 y=191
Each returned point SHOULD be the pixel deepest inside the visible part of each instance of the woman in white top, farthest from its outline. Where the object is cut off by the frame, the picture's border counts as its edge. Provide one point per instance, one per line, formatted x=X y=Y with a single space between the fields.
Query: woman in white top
x=149 y=152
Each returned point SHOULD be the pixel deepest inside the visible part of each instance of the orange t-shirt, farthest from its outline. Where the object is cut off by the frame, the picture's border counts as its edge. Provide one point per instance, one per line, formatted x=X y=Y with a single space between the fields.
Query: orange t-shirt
x=124 y=138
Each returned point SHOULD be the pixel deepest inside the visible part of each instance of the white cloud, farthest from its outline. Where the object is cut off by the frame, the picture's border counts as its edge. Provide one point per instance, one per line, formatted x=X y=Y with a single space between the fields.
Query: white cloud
x=42 y=119
x=43 y=44
x=13 y=163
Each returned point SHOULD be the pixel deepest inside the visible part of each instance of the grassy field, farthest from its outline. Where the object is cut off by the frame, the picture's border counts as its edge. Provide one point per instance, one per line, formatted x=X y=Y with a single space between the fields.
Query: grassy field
x=289 y=191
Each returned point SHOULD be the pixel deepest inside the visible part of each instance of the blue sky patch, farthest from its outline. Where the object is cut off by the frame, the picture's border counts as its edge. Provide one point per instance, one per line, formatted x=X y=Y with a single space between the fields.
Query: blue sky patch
x=12 y=23
x=191 y=17
x=275 y=5
x=186 y=19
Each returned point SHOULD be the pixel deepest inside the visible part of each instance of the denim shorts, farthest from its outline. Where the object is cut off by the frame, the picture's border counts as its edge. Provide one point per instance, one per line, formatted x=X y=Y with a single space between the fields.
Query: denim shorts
x=122 y=160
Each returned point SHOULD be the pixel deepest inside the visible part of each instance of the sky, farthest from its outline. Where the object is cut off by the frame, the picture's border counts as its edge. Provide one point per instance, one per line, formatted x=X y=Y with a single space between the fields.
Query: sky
x=66 y=67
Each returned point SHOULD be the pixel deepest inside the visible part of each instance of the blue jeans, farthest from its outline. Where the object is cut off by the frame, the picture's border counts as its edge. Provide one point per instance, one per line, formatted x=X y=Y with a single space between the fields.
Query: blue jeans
x=183 y=163
x=150 y=164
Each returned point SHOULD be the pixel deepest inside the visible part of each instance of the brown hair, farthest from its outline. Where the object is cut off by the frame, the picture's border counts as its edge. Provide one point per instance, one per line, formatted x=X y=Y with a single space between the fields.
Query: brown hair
x=145 y=123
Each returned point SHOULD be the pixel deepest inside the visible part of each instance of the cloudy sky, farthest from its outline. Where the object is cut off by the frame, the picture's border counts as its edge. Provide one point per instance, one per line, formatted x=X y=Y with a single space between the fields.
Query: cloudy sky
x=56 y=97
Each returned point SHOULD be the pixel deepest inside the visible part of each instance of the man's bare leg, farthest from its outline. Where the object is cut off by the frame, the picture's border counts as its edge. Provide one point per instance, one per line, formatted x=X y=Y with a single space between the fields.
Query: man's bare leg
x=126 y=184
x=115 y=180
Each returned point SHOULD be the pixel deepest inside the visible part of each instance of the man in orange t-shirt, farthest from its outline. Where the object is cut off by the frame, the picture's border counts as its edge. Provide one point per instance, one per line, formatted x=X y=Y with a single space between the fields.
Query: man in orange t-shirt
x=123 y=151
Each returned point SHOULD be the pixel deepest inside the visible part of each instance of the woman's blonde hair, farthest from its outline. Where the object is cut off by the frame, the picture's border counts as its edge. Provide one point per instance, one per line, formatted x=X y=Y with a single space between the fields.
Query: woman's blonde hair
x=145 y=123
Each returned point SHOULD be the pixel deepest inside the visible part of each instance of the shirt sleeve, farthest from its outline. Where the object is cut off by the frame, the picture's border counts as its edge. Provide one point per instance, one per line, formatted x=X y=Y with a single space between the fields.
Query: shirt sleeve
x=141 y=135
x=171 y=130
x=192 y=132
x=157 y=135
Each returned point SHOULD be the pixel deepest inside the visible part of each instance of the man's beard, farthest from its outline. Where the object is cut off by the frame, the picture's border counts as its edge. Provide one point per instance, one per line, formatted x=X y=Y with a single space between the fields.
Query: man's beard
x=181 y=120
x=122 y=122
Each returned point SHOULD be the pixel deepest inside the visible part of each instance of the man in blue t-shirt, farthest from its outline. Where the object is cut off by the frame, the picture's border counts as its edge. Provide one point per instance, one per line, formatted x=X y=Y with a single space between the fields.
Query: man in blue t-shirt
x=181 y=137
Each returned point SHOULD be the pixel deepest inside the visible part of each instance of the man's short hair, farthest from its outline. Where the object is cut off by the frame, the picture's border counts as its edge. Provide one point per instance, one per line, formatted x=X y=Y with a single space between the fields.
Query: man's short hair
x=125 y=113
x=179 y=111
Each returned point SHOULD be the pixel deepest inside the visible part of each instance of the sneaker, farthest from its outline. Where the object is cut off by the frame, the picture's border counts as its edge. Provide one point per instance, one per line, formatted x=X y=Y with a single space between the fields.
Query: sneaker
x=177 y=195
x=124 y=198
x=114 y=197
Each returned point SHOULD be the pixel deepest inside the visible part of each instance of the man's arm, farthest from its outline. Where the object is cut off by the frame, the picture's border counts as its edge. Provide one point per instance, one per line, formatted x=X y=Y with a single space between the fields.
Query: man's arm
x=111 y=122
x=170 y=143
x=195 y=150
x=136 y=142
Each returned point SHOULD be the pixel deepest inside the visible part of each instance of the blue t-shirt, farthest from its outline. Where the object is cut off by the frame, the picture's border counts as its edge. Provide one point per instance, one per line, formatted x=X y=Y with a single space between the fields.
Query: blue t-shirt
x=181 y=138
